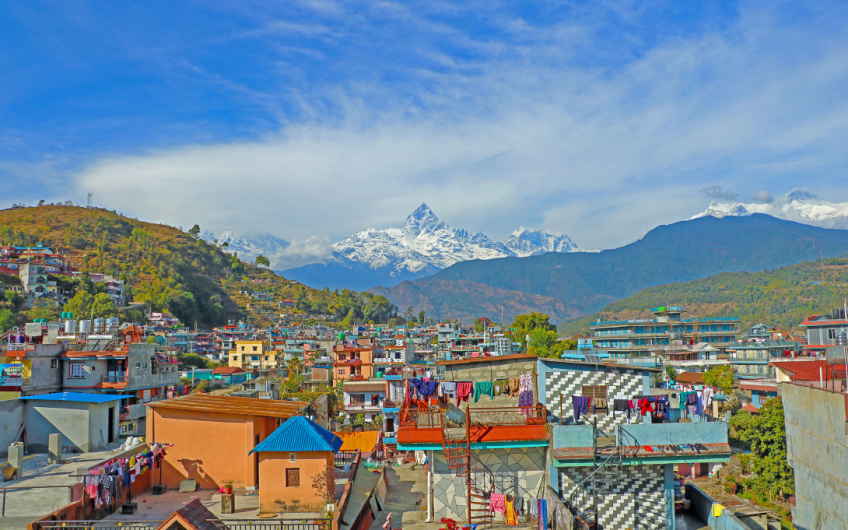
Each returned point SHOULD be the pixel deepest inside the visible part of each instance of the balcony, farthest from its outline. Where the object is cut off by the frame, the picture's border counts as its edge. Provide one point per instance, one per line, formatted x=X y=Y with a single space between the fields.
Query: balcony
x=348 y=362
x=387 y=360
x=115 y=377
x=363 y=407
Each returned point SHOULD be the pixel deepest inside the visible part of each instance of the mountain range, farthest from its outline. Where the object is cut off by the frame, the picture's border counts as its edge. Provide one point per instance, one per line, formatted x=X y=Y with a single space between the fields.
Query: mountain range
x=797 y=205
x=570 y=285
x=423 y=245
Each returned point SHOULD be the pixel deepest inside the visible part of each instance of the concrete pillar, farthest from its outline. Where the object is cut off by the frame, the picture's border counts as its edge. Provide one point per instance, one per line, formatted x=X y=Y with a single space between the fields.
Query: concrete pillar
x=54 y=448
x=16 y=455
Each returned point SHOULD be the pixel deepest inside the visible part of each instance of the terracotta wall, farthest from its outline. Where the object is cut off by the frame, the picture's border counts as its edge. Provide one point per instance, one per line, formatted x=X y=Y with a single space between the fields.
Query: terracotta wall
x=272 y=480
x=208 y=447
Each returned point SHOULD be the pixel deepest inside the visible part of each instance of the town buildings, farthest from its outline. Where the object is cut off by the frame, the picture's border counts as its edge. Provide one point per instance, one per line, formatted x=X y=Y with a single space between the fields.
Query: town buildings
x=635 y=338
x=825 y=330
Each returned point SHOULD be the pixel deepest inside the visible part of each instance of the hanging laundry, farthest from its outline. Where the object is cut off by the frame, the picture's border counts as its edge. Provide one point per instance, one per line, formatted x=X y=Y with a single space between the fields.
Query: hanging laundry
x=448 y=389
x=581 y=406
x=598 y=403
x=510 y=517
x=621 y=405
x=501 y=386
x=497 y=503
x=543 y=514
x=463 y=390
x=708 y=396
x=483 y=388
x=514 y=384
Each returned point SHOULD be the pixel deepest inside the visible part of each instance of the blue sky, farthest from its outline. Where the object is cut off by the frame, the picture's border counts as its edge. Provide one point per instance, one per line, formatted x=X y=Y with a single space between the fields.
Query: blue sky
x=311 y=120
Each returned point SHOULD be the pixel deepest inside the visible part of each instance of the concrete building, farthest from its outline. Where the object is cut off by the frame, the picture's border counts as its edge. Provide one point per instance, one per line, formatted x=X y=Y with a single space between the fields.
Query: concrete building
x=293 y=460
x=750 y=360
x=87 y=422
x=825 y=330
x=252 y=355
x=354 y=359
x=212 y=436
x=817 y=450
x=364 y=397
x=634 y=338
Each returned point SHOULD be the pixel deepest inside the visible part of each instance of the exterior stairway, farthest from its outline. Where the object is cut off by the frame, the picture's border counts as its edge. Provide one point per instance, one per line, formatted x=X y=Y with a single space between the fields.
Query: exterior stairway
x=605 y=475
x=479 y=481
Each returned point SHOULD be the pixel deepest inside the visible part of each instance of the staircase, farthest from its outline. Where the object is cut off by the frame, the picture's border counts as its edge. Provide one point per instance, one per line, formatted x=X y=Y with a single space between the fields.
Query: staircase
x=4 y=349
x=479 y=480
x=605 y=475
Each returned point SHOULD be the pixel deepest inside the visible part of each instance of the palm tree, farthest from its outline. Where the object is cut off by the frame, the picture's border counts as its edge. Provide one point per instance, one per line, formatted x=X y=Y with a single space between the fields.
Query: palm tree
x=294 y=366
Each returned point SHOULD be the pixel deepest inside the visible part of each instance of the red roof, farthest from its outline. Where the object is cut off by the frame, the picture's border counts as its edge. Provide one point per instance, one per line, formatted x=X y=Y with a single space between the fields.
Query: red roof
x=228 y=370
x=828 y=372
x=827 y=321
x=750 y=408
x=794 y=367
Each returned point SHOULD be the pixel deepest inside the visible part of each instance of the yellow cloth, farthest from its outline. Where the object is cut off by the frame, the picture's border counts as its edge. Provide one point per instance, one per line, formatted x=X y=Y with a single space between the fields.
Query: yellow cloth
x=510 y=515
x=364 y=441
x=717 y=510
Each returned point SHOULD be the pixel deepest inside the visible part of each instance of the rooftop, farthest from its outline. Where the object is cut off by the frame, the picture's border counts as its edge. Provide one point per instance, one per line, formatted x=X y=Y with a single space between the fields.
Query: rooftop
x=231 y=405
x=299 y=433
x=75 y=397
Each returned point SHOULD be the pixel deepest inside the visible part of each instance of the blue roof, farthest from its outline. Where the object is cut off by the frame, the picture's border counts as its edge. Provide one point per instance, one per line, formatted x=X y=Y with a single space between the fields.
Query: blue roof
x=299 y=433
x=77 y=397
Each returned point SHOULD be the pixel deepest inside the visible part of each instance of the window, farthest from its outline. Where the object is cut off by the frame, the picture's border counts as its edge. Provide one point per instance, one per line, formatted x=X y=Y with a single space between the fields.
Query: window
x=293 y=477
x=54 y=363
x=341 y=371
x=596 y=391
x=255 y=348
x=76 y=371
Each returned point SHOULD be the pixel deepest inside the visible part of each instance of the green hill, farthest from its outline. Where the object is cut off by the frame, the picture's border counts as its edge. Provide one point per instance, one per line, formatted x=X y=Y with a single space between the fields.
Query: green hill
x=782 y=297
x=166 y=268
x=586 y=282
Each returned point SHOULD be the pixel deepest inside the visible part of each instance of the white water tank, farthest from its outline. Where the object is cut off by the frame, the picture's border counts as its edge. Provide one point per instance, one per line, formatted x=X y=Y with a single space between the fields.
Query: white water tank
x=112 y=324
x=70 y=327
x=85 y=326
x=99 y=324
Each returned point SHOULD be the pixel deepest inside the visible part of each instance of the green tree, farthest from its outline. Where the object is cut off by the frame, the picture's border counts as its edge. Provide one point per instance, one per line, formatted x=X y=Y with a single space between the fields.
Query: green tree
x=103 y=306
x=262 y=261
x=480 y=324
x=765 y=433
x=7 y=320
x=524 y=324
x=15 y=300
x=43 y=309
x=421 y=315
x=195 y=231
x=720 y=377
x=156 y=293
x=80 y=304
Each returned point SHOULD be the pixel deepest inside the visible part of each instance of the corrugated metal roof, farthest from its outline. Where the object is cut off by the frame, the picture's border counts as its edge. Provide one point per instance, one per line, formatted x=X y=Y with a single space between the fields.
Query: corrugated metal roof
x=268 y=408
x=299 y=433
x=76 y=397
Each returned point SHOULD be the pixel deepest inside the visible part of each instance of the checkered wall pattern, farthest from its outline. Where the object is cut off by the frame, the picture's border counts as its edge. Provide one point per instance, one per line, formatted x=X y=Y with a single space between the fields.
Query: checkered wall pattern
x=517 y=471
x=634 y=500
x=570 y=383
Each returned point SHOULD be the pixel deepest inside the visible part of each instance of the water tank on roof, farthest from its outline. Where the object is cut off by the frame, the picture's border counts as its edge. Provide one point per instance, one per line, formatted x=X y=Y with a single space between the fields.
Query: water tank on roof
x=341 y=336
x=112 y=324
x=85 y=326
x=99 y=324
x=70 y=326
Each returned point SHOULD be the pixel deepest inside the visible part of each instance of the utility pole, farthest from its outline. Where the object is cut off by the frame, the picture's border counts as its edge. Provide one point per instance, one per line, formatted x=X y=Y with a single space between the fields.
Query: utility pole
x=90 y=195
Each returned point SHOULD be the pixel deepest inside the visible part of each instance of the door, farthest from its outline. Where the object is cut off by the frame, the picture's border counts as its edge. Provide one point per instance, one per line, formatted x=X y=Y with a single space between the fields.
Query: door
x=111 y=435
x=390 y=425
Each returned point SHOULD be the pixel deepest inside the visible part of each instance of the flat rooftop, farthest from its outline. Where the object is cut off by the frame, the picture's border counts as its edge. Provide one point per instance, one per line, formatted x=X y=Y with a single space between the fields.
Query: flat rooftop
x=268 y=408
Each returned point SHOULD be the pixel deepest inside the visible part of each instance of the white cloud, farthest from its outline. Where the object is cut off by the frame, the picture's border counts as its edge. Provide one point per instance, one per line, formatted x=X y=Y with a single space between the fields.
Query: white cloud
x=506 y=136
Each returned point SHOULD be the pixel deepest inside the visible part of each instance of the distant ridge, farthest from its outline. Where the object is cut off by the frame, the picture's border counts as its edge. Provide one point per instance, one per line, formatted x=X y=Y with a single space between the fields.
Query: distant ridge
x=575 y=284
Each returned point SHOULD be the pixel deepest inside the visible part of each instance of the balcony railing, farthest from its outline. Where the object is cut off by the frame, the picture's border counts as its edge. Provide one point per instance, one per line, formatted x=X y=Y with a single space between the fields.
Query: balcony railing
x=363 y=407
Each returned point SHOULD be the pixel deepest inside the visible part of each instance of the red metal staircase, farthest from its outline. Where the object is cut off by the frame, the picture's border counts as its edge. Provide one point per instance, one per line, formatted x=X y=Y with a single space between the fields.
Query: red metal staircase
x=479 y=480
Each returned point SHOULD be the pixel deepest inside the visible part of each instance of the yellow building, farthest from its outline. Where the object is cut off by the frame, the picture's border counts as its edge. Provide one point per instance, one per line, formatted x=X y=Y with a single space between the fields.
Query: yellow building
x=253 y=355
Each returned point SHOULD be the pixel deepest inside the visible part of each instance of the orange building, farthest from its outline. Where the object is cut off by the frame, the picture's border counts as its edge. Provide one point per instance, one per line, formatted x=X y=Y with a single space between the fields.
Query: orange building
x=354 y=360
x=212 y=436
x=296 y=467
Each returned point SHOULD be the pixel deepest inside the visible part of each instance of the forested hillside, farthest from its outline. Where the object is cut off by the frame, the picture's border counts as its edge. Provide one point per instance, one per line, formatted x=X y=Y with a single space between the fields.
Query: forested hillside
x=168 y=269
x=586 y=282
x=782 y=297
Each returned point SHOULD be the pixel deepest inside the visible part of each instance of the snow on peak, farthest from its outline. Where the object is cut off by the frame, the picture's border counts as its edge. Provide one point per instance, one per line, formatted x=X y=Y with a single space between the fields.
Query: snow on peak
x=797 y=205
x=426 y=244
x=248 y=247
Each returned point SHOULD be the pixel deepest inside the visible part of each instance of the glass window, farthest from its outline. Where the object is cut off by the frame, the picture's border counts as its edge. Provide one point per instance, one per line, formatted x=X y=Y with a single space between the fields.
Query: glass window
x=77 y=371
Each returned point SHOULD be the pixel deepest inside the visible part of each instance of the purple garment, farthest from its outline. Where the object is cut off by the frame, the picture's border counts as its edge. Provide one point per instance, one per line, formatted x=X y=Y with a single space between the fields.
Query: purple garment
x=581 y=406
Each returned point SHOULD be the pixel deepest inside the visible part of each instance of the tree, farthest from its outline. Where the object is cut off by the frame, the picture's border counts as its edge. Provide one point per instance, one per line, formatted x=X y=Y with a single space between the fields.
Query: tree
x=262 y=261
x=410 y=316
x=421 y=317
x=481 y=323
x=524 y=324
x=103 y=306
x=15 y=300
x=765 y=433
x=43 y=309
x=156 y=293
x=720 y=377
x=671 y=373
x=80 y=304
x=7 y=320
x=195 y=231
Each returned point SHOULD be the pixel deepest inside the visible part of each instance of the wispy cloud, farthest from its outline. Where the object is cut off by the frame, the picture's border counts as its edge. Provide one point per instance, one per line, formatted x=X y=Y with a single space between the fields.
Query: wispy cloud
x=592 y=121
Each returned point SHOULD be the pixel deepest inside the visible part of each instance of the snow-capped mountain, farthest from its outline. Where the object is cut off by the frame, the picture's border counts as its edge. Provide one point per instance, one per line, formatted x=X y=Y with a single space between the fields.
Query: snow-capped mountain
x=797 y=205
x=524 y=242
x=248 y=247
x=423 y=245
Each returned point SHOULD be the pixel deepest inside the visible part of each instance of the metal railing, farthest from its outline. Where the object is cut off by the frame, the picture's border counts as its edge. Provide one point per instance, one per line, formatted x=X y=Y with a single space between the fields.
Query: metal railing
x=224 y=524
